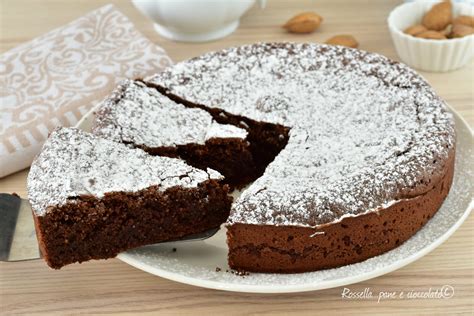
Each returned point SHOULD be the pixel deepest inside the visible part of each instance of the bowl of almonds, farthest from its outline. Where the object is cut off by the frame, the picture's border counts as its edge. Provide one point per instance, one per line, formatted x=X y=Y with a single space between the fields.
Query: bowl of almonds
x=433 y=36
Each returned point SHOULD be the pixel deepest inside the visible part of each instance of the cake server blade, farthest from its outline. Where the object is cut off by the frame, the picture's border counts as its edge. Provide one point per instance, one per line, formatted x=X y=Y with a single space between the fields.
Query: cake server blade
x=195 y=237
x=17 y=230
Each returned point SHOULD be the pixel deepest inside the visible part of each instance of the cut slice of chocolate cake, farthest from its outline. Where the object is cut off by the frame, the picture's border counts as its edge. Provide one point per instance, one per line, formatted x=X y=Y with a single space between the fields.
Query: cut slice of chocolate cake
x=142 y=117
x=93 y=198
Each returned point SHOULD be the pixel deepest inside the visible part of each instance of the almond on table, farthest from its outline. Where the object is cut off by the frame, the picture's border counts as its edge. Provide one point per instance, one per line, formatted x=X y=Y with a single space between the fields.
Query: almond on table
x=306 y=22
x=438 y=17
x=343 y=40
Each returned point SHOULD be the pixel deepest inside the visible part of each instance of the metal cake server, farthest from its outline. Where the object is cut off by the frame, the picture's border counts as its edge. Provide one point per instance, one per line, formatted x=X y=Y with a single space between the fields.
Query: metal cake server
x=17 y=230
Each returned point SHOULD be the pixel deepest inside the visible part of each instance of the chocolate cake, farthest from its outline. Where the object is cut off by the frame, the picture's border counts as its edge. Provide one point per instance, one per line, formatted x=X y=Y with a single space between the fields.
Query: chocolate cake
x=359 y=150
x=93 y=198
x=142 y=117
x=351 y=153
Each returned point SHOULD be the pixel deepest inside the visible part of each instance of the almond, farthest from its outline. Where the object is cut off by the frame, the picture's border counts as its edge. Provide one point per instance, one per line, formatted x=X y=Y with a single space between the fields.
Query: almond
x=431 y=35
x=461 y=30
x=465 y=20
x=438 y=17
x=343 y=40
x=447 y=30
x=306 y=22
x=415 y=29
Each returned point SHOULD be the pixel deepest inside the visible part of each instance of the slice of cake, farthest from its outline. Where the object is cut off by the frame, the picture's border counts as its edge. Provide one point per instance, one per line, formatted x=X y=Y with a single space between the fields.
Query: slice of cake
x=93 y=198
x=139 y=115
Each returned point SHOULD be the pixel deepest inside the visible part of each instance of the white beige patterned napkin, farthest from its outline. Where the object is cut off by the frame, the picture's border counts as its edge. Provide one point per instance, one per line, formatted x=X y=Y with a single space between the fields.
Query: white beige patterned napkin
x=56 y=78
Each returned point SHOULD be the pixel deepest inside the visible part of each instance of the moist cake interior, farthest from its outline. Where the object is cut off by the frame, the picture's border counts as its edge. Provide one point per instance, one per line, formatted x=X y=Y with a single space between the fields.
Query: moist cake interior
x=239 y=165
x=93 y=198
x=91 y=228
x=241 y=156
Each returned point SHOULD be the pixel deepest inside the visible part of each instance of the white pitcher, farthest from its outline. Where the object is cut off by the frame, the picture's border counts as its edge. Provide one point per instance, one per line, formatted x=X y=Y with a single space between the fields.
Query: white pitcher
x=194 y=20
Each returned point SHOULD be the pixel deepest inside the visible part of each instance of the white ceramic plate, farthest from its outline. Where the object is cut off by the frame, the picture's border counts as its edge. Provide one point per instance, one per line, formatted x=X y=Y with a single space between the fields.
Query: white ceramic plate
x=195 y=262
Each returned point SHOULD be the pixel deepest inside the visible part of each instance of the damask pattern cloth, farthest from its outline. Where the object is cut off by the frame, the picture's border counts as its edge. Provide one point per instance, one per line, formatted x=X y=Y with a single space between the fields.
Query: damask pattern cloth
x=56 y=78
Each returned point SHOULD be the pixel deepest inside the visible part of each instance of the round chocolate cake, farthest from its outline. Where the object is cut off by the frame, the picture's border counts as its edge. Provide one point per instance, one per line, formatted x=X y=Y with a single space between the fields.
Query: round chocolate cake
x=345 y=155
x=358 y=150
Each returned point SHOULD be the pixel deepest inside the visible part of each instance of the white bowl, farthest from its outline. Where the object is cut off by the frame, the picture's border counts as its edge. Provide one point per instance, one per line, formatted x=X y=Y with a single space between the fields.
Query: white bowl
x=426 y=54
x=192 y=20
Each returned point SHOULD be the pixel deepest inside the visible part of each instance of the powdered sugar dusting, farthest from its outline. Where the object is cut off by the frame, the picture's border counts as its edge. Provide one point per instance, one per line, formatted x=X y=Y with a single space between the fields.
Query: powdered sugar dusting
x=160 y=260
x=217 y=130
x=365 y=130
x=74 y=163
x=140 y=115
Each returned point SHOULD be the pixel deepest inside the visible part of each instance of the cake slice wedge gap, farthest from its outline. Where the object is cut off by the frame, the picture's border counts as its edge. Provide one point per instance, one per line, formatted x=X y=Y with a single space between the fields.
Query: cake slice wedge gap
x=93 y=198
x=142 y=117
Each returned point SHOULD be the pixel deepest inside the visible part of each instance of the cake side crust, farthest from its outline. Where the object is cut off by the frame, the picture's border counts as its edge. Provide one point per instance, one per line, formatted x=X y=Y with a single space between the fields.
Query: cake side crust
x=292 y=249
